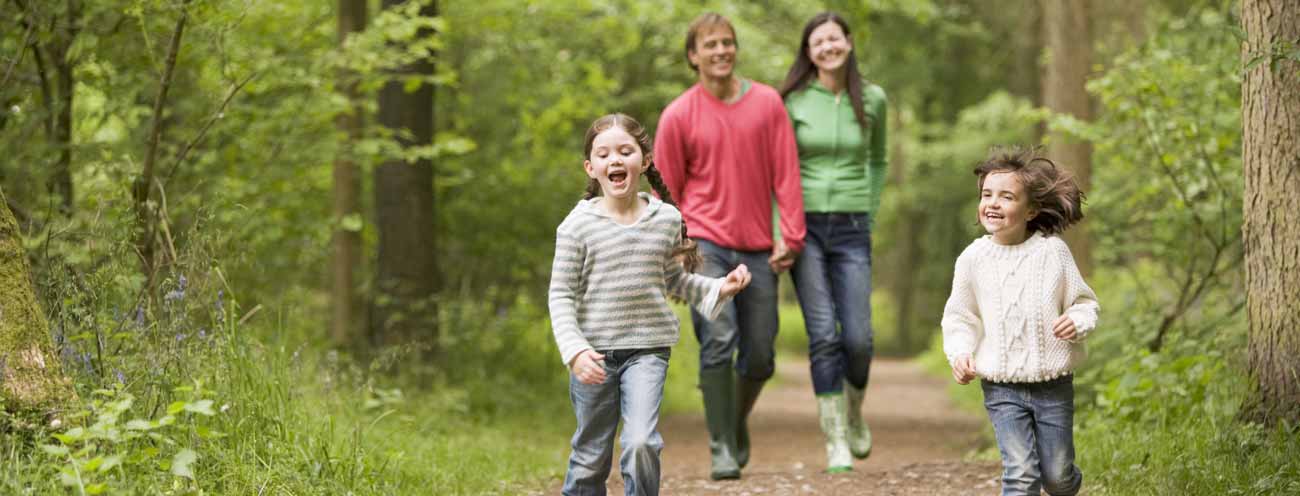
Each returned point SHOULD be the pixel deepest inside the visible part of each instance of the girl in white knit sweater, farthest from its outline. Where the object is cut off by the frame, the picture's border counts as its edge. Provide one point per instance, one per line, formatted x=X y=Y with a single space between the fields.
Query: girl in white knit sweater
x=1017 y=316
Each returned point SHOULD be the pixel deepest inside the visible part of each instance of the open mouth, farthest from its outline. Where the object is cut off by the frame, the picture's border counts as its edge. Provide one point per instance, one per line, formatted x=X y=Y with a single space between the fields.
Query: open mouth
x=617 y=178
x=993 y=216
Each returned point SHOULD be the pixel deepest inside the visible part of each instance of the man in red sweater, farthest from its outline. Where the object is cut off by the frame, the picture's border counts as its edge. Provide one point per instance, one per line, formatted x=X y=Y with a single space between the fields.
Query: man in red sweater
x=725 y=148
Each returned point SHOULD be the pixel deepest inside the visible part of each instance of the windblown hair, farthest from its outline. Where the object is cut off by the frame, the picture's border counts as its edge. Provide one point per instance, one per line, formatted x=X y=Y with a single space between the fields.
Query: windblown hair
x=803 y=69
x=687 y=251
x=1052 y=190
x=705 y=21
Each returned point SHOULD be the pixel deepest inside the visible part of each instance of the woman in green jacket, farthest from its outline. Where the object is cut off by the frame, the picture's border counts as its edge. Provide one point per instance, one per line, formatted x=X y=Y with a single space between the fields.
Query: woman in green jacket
x=839 y=124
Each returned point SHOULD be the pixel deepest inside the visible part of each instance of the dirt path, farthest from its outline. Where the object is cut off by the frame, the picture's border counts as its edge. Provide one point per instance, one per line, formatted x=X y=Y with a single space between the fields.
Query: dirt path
x=919 y=438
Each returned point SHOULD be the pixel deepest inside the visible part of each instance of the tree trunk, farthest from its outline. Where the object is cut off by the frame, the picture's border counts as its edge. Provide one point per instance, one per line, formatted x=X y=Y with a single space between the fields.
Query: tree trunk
x=1069 y=46
x=406 y=274
x=347 y=188
x=61 y=178
x=30 y=372
x=1270 y=106
x=899 y=275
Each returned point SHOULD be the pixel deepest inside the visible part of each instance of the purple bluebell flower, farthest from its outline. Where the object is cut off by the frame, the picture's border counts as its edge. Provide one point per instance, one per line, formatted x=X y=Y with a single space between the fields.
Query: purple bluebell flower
x=139 y=316
x=85 y=360
x=203 y=333
x=181 y=337
x=121 y=378
x=181 y=282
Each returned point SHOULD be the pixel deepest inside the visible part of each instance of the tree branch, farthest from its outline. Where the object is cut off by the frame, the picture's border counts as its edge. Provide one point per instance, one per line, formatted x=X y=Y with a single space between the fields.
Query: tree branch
x=180 y=157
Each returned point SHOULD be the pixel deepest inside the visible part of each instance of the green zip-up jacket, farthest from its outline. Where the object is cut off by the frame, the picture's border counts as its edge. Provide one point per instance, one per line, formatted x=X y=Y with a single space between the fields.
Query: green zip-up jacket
x=841 y=167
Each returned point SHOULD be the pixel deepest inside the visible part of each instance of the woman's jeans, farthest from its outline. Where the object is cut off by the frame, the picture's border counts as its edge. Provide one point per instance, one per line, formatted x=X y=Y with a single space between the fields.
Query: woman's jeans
x=1034 y=424
x=633 y=390
x=833 y=280
x=748 y=323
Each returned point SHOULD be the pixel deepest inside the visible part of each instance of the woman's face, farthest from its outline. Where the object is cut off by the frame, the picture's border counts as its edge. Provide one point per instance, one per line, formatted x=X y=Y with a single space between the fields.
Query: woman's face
x=828 y=47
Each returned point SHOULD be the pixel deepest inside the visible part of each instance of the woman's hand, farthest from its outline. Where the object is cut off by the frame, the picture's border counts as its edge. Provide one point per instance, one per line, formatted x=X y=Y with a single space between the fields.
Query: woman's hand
x=1064 y=328
x=588 y=367
x=963 y=370
x=736 y=281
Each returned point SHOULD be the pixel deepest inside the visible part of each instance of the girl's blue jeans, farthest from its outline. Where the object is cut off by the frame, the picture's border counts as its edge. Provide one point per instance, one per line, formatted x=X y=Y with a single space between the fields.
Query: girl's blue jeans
x=633 y=390
x=832 y=278
x=1034 y=425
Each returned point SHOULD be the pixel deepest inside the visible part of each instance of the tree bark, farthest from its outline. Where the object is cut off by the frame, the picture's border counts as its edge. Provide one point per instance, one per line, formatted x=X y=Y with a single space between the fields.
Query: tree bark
x=31 y=377
x=1068 y=42
x=406 y=273
x=1270 y=106
x=347 y=187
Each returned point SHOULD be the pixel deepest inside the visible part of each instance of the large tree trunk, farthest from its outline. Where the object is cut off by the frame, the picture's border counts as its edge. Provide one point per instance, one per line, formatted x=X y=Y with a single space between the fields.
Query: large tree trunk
x=1069 y=46
x=30 y=373
x=1270 y=106
x=347 y=188
x=406 y=274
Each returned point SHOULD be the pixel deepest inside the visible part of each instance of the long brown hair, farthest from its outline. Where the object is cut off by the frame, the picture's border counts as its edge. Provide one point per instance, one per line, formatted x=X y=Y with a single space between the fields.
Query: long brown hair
x=687 y=251
x=1052 y=191
x=803 y=69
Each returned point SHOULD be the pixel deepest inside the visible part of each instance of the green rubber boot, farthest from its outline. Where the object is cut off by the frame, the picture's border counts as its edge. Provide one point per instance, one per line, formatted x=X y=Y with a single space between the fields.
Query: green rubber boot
x=746 y=395
x=719 y=388
x=859 y=434
x=830 y=411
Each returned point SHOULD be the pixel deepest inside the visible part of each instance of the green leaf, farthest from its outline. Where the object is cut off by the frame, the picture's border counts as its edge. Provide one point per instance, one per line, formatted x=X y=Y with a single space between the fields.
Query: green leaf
x=175 y=408
x=139 y=425
x=202 y=407
x=54 y=450
x=351 y=222
x=110 y=462
x=182 y=461
x=96 y=488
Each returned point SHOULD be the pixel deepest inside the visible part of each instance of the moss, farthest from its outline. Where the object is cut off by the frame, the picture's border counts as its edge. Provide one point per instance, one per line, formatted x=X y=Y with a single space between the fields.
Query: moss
x=31 y=377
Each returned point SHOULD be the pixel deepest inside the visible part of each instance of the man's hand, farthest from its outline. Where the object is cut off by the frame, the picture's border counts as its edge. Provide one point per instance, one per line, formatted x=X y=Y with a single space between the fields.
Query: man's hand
x=782 y=258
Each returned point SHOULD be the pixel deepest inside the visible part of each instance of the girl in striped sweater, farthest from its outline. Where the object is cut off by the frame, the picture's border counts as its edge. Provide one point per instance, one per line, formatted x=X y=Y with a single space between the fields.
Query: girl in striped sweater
x=618 y=255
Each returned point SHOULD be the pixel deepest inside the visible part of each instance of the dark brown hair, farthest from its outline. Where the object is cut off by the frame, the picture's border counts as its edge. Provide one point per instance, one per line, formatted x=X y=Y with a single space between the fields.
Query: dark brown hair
x=687 y=252
x=1052 y=191
x=704 y=21
x=803 y=70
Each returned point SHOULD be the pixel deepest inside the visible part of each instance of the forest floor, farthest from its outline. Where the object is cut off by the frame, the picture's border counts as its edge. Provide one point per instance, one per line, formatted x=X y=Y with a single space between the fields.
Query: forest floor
x=919 y=439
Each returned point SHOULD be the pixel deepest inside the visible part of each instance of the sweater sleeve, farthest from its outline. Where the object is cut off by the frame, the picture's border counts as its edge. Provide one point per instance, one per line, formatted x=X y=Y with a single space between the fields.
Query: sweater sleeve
x=878 y=150
x=961 y=323
x=786 y=184
x=704 y=293
x=1077 y=299
x=670 y=154
x=566 y=279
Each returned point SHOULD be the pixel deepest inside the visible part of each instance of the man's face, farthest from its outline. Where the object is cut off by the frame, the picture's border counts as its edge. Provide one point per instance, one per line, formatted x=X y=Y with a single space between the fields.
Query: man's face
x=715 y=52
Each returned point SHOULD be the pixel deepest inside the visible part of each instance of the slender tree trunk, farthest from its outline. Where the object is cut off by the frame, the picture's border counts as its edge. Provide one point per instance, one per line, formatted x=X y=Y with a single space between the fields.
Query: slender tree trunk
x=899 y=276
x=347 y=188
x=1068 y=42
x=61 y=178
x=143 y=185
x=406 y=273
x=31 y=376
x=1270 y=105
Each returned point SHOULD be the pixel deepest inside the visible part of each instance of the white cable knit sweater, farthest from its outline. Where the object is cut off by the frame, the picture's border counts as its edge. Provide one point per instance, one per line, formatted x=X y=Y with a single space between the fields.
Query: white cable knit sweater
x=1004 y=301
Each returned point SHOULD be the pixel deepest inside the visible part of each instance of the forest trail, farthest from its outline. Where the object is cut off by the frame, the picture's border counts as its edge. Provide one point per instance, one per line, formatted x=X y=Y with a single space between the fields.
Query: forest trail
x=919 y=438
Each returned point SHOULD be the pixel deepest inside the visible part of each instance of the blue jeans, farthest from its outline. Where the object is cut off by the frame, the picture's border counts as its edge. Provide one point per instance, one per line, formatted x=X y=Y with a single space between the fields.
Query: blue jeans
x=833 y=280
x=633 y=389
x=748 y=323
x=1034 y=424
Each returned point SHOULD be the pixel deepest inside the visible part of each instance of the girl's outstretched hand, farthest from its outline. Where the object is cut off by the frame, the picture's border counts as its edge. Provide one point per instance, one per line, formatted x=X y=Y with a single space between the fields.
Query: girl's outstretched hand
x=963 y=370
x=736 y=281
x=1064 y=328
x=589 y=367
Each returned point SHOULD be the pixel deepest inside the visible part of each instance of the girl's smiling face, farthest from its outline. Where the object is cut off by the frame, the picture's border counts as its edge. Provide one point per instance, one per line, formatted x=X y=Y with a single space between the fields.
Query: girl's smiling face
x=1004 y=208
x=616 y=162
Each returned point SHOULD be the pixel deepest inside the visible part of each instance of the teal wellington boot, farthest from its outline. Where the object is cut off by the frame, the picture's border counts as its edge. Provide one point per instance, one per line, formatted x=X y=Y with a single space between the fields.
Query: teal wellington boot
x=859 y=433
x=746 y=395
x=719 y=388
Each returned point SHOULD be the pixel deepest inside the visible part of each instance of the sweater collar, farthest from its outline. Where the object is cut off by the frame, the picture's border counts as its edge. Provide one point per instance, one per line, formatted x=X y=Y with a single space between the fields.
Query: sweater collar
x=592 y=206
x=999 y=250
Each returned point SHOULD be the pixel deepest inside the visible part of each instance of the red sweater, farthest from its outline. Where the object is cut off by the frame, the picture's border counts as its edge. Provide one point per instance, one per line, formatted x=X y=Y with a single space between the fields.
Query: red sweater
x=724 y=163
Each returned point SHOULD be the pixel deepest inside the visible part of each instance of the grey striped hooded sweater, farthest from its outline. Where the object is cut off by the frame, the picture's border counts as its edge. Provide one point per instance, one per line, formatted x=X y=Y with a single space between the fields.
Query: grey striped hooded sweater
x=609 y=282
